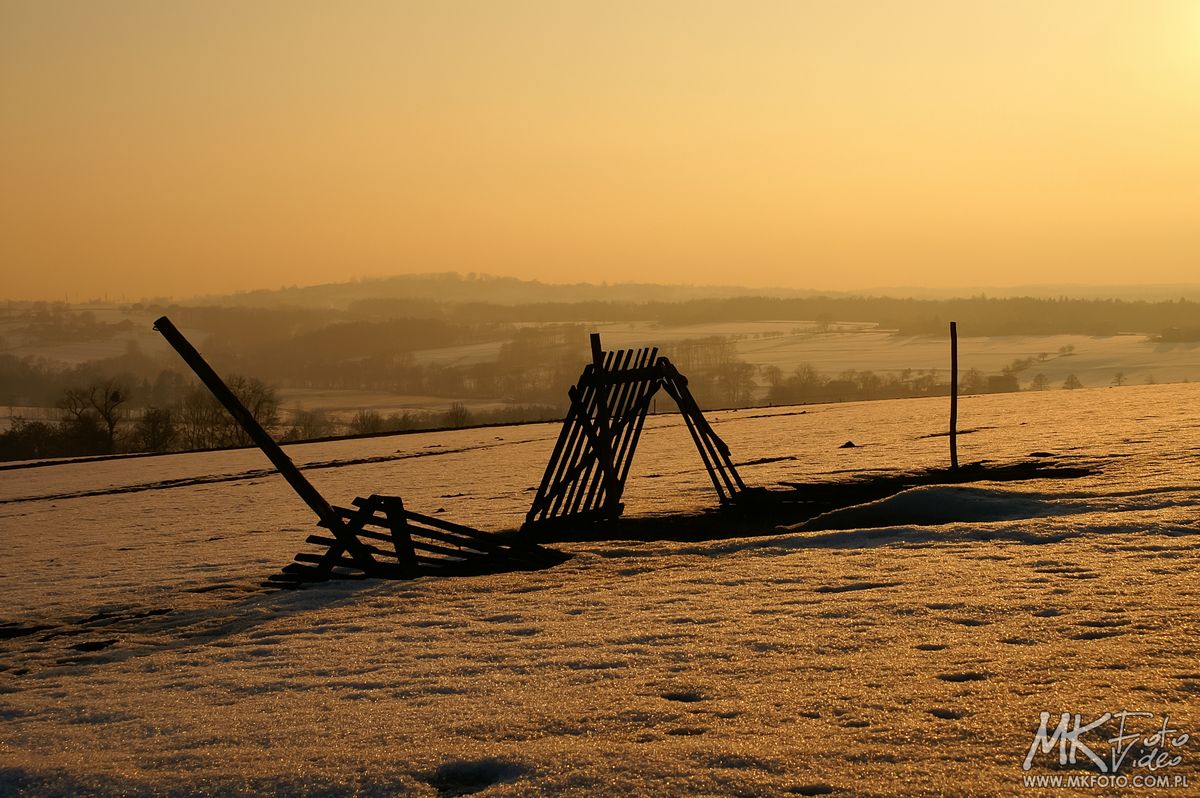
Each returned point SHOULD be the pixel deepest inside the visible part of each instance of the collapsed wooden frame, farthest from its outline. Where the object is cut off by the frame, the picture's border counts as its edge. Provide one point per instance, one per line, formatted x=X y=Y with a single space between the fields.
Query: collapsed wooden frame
x=585 y=476
x=415 y=544
x=380 y=538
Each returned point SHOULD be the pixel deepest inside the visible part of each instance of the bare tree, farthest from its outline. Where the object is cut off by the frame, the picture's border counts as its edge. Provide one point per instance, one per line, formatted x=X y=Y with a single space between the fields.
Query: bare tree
x=101 y=400
x=156 y=430
x=307 y=425
x=204 y=424
x=456 y=415
x=366 y=422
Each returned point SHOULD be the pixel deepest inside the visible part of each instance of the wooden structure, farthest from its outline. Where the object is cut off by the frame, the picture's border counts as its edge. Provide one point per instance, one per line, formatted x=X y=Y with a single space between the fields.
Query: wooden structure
x=590 y=462
x=380 y=538
x=413 y=544
x=954 y=394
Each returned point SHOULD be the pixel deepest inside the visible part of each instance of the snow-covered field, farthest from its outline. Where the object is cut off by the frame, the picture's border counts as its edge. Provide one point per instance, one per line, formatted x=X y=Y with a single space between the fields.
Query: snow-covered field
x=902 y=648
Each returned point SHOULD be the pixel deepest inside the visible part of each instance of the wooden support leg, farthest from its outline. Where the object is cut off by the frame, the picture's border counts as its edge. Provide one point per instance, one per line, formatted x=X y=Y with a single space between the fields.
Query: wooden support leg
x=397 y=522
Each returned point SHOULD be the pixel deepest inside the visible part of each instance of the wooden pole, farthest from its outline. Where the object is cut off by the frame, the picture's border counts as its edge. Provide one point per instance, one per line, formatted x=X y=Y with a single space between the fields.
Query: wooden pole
x=245 y=418
x=597 y=352
x=954 y=395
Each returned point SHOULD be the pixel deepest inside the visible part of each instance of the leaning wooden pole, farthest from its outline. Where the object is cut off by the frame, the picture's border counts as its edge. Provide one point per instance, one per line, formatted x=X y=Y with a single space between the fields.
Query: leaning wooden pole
x=311 y=496
x=954 y=394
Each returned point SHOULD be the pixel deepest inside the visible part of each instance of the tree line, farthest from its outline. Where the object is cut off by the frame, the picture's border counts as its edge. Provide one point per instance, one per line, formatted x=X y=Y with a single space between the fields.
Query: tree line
x=114 y=414
x=101 y=418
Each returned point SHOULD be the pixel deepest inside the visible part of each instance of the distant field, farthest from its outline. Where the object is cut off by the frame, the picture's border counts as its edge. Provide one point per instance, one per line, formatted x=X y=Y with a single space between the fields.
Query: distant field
x=342 y=405
x=786 y=344
x=72 y=353
x=863 y=347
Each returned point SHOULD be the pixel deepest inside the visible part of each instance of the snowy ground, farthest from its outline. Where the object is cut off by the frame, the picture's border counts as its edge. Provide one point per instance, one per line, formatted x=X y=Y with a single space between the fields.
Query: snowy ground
x=902 y=648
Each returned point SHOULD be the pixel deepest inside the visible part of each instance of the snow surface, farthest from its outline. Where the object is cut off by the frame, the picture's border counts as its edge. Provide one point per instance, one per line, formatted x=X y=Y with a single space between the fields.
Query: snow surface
x=896 y=648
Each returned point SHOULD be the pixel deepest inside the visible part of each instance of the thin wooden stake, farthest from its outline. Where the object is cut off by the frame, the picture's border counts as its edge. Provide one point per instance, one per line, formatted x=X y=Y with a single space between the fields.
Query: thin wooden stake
x=597 y=350
x=954 y=394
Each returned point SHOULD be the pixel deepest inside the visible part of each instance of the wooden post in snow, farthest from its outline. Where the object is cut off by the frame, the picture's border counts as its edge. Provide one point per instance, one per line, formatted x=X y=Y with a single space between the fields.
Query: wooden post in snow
x=597 y=352
x=954 y=395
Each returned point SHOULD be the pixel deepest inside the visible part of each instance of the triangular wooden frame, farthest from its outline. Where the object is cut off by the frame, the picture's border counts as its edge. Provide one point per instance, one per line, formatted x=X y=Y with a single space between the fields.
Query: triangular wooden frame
x=585 y=476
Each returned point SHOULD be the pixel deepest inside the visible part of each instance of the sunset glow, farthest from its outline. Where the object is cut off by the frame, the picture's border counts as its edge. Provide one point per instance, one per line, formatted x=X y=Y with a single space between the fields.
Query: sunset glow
x=170 y=148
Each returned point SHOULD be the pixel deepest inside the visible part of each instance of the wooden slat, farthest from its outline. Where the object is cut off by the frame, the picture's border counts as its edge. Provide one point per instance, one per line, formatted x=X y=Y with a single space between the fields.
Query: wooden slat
x=372 y=549
x=672 y=389
x=553 y=486
x=585 y=454
x=604 y=491
x=629 y=447
x=632 y=408
x=454 y=534
x=467 y=546
x=450 y=526
x=635 y=374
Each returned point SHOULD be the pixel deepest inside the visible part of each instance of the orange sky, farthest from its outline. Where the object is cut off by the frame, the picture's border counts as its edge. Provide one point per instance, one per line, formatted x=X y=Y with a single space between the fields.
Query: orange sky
x=176 y=148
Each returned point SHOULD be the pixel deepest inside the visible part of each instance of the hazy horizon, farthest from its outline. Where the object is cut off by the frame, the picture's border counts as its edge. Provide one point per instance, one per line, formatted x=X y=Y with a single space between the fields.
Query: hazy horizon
x=170 y=149
x=687 y=290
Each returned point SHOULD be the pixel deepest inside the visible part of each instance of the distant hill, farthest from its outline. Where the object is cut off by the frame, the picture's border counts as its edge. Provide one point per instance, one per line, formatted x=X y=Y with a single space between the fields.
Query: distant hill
x=459 y=288
x=452 y=287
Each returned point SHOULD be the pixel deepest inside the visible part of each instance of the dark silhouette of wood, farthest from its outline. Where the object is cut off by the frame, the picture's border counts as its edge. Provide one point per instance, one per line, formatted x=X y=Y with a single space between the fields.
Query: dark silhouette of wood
x=954 y=394
x=416 y=544
x=596 y=350
x=589 y=465
x=287 y=469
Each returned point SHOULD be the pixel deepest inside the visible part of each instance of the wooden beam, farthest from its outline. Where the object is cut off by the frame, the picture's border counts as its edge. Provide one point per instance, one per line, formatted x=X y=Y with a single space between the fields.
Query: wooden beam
x=287 y=469
x=954 y=394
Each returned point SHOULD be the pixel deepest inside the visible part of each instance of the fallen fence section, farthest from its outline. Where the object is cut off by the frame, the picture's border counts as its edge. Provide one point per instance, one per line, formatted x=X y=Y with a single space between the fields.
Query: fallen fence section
x=396 y=543
x=586 y=474
x=379 y=537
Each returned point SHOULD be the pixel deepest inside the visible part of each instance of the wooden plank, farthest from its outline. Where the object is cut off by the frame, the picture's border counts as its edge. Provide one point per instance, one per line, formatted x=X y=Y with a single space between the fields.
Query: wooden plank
x=323 y=541
x=619 y=424
x=728 y=469
x=467 y=537
x=552 y=486
x=583 y=456
x=671 y=388
x=449 y=526
x=598 y=432
x=721 y=467
x=629 y=426
x=555 y=454
x=245 y=419
x=605 y=493
x=583 y=400
x=402 y=541
x=635 y=433
x=631 y=375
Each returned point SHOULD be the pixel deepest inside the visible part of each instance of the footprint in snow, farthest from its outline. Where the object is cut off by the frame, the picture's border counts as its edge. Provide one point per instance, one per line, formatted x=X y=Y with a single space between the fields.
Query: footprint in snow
x=946 y=714
x=1097 y=634
x=464 y=777
x=966 y=676
x=685 y=696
